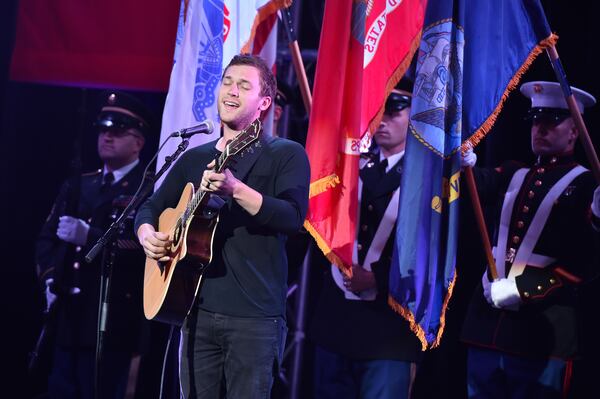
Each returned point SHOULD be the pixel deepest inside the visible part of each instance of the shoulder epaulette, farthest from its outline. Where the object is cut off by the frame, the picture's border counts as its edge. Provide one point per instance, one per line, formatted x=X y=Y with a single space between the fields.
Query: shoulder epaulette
x=94 y=173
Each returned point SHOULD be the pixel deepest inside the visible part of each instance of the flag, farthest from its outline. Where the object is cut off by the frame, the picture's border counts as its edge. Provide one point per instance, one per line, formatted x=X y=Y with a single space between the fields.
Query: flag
x=364 y=50
x=209 y=34
x=472 y=54
x=110 y=43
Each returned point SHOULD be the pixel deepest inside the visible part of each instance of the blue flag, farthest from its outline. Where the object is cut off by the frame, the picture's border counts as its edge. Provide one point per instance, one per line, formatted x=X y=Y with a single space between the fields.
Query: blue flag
x=472 y=54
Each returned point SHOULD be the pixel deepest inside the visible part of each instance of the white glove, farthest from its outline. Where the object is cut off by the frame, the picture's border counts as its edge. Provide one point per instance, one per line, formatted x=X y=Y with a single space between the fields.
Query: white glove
x=596 y=202
x=504 y=294
x=50 y=297
x=468 y=159
x=487 y=293
x=72 y=230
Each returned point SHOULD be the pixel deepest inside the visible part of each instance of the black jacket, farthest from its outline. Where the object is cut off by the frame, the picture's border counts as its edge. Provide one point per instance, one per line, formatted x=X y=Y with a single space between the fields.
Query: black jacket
x=77 y=314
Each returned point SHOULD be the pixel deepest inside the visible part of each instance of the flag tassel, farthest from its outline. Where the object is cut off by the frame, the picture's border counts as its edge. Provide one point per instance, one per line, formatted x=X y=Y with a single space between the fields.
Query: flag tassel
x=416 y=327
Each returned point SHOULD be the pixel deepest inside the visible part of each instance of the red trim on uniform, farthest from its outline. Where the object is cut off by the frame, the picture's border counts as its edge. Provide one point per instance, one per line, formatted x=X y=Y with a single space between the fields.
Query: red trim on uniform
x=571 y=278
x=548 y=291
x=567 y=379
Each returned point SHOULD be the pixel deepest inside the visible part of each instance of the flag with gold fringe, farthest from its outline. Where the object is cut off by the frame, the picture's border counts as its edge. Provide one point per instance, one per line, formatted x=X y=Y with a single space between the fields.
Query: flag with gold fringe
x=365 y=48
x=472 y=54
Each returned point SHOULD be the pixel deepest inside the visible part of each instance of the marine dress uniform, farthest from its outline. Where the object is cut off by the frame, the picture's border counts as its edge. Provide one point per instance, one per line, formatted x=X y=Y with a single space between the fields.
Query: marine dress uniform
x=546 y=244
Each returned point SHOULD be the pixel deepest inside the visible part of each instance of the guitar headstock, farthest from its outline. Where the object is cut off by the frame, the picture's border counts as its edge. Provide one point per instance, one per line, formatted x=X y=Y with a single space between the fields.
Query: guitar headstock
x=239 y=143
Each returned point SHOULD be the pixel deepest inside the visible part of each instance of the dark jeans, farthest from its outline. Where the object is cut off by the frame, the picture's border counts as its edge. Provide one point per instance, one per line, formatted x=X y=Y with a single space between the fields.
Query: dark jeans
x=337 y=377
x=234 y=357
x=494 y=374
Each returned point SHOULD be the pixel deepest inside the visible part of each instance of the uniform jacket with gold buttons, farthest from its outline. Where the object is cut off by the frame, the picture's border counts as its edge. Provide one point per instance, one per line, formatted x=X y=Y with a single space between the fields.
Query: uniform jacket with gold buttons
x=546 y=323
x=77 y=314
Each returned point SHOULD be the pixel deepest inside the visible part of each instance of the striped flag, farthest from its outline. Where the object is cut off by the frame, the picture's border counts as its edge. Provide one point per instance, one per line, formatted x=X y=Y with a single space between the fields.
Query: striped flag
x=472 y=54
x=364 y=50
x=209 y=34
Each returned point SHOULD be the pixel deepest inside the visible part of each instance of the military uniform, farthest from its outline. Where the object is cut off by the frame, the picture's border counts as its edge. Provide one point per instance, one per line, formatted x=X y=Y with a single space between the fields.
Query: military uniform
x=523 y=327
x=78 y=283
x=546 y=322
x=84 y=209
x=364 y=330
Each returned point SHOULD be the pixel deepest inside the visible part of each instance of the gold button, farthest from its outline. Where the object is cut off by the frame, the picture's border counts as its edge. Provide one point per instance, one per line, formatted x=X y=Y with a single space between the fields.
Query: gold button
x=520 y=224
x=89 y=220
x=541 y=170
x=359 y=247
x=538 y=183
x=526 y=294
x=76 y=265
x=531 y=194
x=370 y=207
x=364 y=227
x=553 y=160
x=525 y=209
x=78 y=249
x=516 y=239
x=539 y=287
x=552 y=281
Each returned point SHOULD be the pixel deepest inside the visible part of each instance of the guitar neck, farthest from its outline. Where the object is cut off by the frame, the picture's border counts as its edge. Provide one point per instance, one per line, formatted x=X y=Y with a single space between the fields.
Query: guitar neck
x=241 y=141
x=199 y=194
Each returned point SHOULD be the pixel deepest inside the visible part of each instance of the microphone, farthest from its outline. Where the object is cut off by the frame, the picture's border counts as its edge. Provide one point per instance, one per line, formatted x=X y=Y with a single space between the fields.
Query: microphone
x=205 y=127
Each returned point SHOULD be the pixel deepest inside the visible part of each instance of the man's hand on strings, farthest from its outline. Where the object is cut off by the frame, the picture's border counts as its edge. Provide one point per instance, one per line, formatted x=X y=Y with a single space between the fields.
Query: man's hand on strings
x=156 y=244
x=223 y=184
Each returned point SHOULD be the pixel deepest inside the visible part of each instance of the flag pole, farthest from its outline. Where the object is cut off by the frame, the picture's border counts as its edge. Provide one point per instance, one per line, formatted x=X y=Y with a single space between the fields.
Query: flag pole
x=472 y=186
x=286 y=17
x=584 y=136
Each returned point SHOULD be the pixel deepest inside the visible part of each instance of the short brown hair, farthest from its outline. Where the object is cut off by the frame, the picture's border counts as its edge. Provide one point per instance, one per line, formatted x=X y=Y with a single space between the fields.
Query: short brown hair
x=268 y=84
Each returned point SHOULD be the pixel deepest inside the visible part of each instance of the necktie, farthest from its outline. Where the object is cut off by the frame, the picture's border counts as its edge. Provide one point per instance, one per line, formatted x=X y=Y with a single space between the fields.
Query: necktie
x=107 y=181
x=382 y=167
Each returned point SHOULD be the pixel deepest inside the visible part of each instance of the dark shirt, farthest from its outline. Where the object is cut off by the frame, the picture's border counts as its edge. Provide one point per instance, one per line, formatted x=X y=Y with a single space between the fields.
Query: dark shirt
x=248 y=273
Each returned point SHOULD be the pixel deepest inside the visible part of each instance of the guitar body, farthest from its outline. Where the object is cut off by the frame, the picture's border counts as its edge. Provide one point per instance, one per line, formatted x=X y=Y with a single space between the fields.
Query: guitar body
x=170 y=287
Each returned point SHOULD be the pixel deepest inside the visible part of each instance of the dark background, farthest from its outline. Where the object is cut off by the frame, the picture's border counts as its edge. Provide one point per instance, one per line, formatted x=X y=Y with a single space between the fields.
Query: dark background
x=39 y=125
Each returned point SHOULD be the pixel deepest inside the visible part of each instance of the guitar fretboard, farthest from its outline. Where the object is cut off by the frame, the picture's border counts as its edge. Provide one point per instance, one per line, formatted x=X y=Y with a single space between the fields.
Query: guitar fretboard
x=239 y=143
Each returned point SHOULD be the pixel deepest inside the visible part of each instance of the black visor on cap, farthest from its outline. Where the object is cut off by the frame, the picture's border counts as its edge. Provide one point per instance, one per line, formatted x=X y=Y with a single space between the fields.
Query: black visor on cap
x=111 y=120
x=281 y=99
x=396 y=102
x=547 y=115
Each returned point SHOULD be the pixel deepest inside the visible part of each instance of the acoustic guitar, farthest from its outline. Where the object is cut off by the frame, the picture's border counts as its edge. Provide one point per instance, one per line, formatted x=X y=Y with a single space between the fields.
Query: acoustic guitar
x=170 y=287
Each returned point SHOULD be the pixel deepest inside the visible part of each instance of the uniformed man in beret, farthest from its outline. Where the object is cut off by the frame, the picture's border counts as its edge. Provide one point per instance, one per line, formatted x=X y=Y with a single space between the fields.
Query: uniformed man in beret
x=522 y=328
x=82 y=212
x=364 y=349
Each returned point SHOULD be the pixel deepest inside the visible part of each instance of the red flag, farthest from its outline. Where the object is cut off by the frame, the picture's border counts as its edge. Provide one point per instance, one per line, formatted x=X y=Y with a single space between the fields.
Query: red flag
x=365 y=49
x=116 y=43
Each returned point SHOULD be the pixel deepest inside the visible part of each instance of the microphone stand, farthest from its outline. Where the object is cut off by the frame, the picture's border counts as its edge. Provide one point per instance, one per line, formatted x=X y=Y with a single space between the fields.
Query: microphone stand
x=108 y=258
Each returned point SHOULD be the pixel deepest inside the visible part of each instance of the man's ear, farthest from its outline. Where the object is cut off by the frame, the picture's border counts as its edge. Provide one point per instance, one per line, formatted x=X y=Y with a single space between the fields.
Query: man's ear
x=265 y=103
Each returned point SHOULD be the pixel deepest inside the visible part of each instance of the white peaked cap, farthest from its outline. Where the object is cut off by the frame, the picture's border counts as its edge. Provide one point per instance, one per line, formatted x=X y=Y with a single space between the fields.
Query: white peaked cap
x=550 y=95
